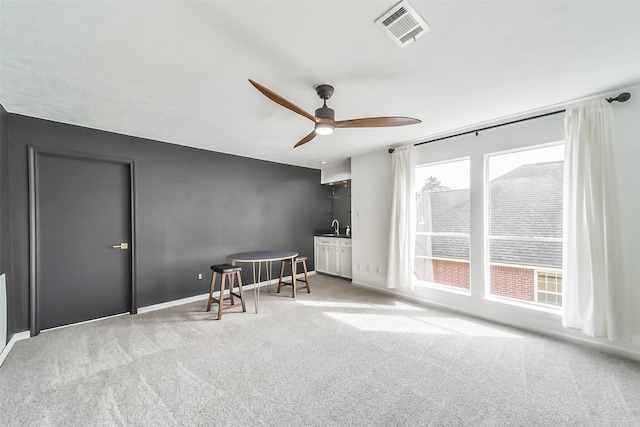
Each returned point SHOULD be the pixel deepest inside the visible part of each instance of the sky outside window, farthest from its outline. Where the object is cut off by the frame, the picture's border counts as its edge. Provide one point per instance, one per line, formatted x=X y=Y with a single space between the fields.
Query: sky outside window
x=455 y=174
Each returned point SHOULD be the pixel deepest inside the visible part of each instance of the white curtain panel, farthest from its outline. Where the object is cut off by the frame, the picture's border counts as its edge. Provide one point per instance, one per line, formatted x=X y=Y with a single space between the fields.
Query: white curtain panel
x=403 y=219
x=594 y=291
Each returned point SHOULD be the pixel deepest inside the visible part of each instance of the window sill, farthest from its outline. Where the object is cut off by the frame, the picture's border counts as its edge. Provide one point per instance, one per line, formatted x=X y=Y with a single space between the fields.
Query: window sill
x=427 y=286
x=423 y=289
x=556 y=312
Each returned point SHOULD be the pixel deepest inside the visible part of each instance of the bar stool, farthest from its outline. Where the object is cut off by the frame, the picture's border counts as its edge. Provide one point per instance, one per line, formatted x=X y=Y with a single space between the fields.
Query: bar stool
x=298 y=260
x=227 y=273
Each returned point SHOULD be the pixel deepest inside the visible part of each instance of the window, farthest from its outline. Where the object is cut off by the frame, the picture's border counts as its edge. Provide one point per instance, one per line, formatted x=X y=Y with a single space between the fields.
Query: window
x=442 y=223
x=525 y=190
x=549 y=287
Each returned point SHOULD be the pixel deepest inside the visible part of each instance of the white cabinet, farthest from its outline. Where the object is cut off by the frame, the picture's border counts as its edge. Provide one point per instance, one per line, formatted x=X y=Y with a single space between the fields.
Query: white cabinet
x=327 y=250
x=345 y=258
x=321 y=258
x=333 y=256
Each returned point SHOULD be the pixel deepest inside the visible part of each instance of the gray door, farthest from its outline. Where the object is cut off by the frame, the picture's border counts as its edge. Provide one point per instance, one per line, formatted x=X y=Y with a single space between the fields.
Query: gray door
x=83 y=211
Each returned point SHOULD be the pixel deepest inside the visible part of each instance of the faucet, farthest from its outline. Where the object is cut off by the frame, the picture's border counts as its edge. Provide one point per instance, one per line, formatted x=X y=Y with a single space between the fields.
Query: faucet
x=337 y=225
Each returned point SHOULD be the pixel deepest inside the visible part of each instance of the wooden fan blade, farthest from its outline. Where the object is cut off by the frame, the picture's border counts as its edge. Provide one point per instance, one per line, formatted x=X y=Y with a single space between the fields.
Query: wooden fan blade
x=280 y=100
x=376 y=122
x=306 y=139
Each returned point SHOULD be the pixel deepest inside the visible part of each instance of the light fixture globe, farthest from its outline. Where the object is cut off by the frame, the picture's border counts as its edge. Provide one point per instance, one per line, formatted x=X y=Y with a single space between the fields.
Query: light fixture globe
x=324 y=129
x=324 y=112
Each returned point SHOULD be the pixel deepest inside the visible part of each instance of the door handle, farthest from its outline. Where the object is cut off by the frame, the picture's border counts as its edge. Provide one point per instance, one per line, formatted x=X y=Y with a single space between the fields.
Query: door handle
x=122 y=246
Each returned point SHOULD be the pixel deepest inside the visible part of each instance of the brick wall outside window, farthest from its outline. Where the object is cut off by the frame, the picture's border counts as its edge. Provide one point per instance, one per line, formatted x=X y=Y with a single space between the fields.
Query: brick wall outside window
x=451 y=273
x=513 y=282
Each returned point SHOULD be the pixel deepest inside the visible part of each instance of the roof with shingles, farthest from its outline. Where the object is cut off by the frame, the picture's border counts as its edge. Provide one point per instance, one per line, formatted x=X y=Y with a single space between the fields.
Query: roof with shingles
x=524 y=202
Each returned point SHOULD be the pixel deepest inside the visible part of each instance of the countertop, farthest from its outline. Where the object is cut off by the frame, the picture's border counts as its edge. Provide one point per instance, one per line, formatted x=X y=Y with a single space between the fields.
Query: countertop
x=340 y=236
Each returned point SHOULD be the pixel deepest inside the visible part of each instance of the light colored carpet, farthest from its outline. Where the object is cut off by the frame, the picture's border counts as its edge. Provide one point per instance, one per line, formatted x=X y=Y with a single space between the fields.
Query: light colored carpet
x=340 y=356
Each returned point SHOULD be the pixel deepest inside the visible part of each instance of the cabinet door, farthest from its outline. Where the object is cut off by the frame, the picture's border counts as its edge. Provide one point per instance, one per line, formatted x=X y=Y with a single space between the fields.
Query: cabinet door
x=333 y=260
x=345 y=262
x=321 y=258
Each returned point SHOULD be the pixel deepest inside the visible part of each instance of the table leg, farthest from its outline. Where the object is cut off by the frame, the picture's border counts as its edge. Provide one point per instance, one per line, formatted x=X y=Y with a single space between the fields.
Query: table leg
x=256 y=290
x=293 y=276
x=269 y=274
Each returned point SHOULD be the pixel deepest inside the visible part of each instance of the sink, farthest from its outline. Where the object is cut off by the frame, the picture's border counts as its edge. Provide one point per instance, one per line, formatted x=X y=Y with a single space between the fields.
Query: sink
x=332 y=235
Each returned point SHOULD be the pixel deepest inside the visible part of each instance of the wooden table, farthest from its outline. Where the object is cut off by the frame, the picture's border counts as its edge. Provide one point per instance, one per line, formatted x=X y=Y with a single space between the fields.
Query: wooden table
x=265 y=256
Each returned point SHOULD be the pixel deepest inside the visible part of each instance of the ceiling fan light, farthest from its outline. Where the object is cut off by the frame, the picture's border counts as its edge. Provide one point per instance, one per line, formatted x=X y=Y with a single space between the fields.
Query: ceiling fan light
x=324 y=129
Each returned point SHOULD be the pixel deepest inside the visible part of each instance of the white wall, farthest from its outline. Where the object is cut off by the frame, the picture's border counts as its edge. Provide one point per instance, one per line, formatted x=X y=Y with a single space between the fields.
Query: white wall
x=337 y=171
x=627 y=137
x=371 y=198
x=370 y=216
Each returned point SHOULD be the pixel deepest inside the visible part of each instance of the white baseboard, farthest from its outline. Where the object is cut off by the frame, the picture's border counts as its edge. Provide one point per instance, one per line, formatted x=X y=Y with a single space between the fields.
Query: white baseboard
x=173 y=303
x=15 y=338
x=3 y=311
x=201 y=297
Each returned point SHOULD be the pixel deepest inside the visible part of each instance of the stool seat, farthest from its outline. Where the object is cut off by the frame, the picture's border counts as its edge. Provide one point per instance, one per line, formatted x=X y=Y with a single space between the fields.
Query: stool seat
x=300 y=258
x=228 y=273
x=225 y=268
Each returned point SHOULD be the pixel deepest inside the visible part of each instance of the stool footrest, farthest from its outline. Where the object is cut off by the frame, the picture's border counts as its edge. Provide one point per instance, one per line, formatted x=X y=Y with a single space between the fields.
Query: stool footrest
x=291 y=284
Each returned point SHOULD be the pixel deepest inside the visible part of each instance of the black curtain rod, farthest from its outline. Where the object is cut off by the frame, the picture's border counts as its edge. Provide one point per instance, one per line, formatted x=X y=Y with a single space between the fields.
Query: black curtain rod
x=623 y=97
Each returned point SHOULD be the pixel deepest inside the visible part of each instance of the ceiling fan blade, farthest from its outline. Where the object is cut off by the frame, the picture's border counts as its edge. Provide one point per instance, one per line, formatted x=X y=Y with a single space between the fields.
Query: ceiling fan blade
x=376 y=122
x=280 y=100
x=306 y=139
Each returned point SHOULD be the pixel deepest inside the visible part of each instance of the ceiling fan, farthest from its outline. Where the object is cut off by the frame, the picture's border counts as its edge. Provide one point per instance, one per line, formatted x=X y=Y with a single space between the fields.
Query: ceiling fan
x=325 y=117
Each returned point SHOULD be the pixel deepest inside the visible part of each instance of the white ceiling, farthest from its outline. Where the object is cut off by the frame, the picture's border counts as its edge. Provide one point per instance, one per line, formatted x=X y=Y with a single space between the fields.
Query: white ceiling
x=177 y=71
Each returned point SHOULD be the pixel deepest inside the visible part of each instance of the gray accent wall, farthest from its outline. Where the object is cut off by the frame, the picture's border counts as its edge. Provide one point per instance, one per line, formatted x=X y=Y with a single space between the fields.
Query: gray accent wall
x=193 y=208
x=4 y=191
x=5 y=228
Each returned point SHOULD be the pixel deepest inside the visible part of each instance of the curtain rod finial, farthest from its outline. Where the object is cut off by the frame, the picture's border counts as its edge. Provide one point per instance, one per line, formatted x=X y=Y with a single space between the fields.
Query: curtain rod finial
x=391 y=150
x=623 y=97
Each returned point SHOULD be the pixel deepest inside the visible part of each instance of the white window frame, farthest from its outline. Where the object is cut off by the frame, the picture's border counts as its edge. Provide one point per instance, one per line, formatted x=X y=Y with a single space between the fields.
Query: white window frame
x=555 y=271
x=448 y=288
x=488 y=238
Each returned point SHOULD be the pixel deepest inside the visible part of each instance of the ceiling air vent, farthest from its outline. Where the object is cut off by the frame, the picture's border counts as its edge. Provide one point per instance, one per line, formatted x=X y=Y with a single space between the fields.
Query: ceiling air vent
x=402 y=24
